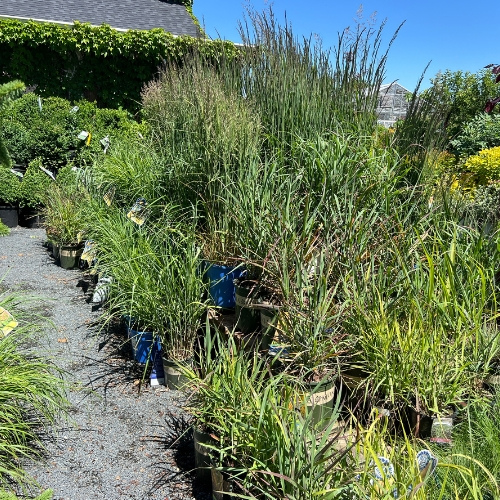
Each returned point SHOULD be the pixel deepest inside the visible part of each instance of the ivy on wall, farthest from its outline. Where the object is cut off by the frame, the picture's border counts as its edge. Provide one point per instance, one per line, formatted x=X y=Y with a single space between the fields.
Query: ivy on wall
x=98 y=63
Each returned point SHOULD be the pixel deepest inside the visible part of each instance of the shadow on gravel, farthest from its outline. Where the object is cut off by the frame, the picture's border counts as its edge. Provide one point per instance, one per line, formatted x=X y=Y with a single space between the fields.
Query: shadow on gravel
x=112 y=365
x=178 y=474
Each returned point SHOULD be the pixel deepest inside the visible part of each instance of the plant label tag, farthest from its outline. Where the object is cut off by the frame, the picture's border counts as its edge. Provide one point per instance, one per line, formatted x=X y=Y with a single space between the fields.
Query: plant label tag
x=138 y=213
x=40 y=104
x=105 y=143
x=110 y=194
x=74 y=109
x=83 y=135
x=321 y=398
x=80 y=236
x=15 y=172
x=7 y=322
x=48 y=172
x=88 y=253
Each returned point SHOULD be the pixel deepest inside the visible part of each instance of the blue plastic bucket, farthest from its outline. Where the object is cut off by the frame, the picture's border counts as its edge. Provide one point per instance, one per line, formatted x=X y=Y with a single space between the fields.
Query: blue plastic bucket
x=142 y=343
x=220 y=284
x=157 y=376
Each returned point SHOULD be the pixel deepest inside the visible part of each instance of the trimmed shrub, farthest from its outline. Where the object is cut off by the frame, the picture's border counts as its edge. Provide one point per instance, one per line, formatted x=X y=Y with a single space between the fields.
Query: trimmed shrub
x=485 y=166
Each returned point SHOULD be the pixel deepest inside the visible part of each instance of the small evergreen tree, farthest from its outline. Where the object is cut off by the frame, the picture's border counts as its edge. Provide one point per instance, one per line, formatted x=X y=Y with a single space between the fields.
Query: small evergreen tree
x=8 y=91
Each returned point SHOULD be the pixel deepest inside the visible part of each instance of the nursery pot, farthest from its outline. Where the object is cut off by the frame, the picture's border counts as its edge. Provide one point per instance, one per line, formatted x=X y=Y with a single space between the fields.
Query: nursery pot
x=221 y=485
x=268 y=319
x=142 y=343
x=157 y=376
x=174 y=379
x=202 y=458
x=247 y=317
x=54 y=249
x=319 y=397
x=30 y=217
x=9 y=215
x=69 y=256
x=221 y=284
x=419 y=424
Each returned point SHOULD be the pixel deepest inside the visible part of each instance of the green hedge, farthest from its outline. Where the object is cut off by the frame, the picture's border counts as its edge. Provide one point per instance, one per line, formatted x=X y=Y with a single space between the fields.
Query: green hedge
x=96 y=63
x=47 y=129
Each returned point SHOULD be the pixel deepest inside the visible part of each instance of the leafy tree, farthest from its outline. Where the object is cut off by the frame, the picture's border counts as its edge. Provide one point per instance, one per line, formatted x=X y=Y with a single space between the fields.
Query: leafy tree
x=464 y=94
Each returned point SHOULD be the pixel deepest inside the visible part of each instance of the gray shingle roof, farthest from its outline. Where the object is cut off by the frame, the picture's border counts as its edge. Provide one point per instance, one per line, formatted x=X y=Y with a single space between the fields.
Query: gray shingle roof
x=121 y=14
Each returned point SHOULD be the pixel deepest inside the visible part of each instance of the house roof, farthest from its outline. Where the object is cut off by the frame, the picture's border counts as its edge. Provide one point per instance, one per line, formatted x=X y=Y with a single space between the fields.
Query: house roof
x=120 y=14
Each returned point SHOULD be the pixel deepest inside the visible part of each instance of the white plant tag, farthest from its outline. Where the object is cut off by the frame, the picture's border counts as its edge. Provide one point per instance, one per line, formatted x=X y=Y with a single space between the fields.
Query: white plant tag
x=48 y=172
x=138 y=213
x=15 y=172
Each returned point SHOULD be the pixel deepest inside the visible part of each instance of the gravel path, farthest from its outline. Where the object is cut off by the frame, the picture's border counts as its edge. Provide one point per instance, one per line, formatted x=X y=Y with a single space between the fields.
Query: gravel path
x=119 y=442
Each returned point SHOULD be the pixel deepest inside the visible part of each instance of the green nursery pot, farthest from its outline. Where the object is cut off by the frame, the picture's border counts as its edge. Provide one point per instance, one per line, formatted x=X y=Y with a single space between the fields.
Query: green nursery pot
x=319 y=397
x=174 y=378
x=69 y=256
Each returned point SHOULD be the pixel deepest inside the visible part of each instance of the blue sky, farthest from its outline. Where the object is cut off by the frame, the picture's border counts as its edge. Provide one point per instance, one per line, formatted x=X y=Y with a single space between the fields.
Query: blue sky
x=460 y=35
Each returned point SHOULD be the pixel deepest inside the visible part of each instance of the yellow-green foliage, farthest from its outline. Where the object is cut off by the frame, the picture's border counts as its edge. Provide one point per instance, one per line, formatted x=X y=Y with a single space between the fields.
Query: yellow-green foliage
x=485 y=166
x=444 y=163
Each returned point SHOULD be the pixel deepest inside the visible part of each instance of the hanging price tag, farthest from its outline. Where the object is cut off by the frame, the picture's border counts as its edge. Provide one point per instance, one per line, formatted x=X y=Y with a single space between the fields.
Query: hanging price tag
x=138 y=213
x=7 y=322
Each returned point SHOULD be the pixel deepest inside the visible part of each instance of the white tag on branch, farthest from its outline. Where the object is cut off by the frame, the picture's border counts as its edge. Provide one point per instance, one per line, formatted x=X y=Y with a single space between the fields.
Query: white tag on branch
x=83 y=135
x=105 y=143
x=48 y=172
x=15 y=172
x=74 y=109
x=40 y=104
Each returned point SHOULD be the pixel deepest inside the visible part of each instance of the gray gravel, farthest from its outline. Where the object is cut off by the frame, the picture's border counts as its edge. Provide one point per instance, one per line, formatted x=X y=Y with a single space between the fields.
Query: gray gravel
x=118 y=441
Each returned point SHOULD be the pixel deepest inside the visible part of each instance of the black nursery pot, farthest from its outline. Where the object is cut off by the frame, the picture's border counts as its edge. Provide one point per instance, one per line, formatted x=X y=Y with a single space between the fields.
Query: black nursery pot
x=30 y=217
x=203 y=460
x=418 y=424
x=9 y=215
x=247 y=317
